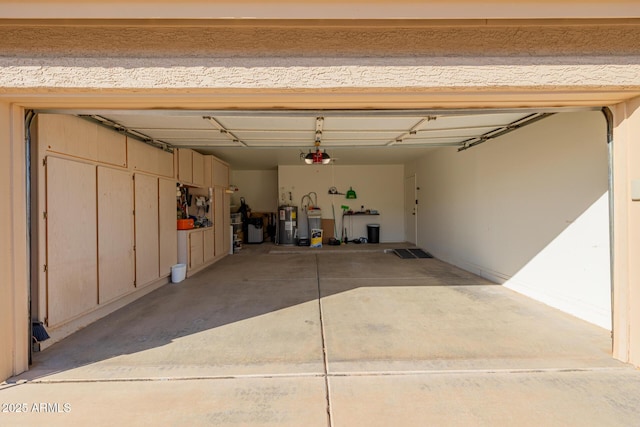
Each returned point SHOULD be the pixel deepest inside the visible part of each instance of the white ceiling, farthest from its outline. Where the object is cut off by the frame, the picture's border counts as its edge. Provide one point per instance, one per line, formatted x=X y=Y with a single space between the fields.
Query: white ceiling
x=265 y=139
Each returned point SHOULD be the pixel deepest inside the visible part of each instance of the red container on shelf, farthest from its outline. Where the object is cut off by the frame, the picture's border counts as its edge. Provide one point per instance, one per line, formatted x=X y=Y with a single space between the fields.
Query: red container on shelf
x=185 y=224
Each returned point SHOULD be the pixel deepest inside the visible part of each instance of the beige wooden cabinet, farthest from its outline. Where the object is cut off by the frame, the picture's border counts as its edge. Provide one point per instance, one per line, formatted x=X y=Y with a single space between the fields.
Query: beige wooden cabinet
x=220 y=173
x=226 y=222
x=105 y=213
x=219 y=220
x=69 y=135
x=208 y=244
x=192 y=168
x=185 y=165
x=71 y=235
x=196 y=248
x=221 y=202
x=208 y=171
x=111 y=147
x=145 y=158
x=167 y=225
x=147 y=238
x=116 y=261
x=197 y=169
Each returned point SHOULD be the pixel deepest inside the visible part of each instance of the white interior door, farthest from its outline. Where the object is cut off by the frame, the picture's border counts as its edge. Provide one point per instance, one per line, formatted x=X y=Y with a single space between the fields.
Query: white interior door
x=411 y=210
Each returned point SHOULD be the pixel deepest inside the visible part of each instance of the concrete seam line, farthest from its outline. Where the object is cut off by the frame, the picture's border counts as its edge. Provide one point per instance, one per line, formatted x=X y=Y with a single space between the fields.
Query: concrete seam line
x=324 y=346
x=166 y=379
x=318 y=375
x=476 y=371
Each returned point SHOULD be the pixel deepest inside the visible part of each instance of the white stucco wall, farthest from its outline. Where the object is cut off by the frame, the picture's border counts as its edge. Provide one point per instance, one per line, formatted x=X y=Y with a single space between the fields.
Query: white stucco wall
x=404 y=59
x=529 y=209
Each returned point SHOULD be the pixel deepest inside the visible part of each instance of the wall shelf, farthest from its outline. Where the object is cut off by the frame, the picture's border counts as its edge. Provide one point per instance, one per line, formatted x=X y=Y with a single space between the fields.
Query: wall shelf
x=359 y=214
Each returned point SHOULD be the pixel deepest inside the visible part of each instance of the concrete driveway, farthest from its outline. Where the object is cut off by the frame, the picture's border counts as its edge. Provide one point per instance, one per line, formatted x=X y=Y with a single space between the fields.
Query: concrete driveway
x=346 y=336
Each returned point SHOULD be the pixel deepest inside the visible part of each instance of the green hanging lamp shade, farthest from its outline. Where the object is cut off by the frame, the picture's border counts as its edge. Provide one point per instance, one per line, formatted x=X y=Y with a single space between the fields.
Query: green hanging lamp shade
x=351 y=194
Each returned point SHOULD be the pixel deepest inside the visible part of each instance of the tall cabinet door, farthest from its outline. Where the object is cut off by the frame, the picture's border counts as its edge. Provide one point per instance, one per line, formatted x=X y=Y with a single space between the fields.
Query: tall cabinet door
x=167 y=223
x=72 y=247
x=146 y=235
x=219 y=222
x=226 y=216
x=196 y=249
x=116 y=271
x=208 y=244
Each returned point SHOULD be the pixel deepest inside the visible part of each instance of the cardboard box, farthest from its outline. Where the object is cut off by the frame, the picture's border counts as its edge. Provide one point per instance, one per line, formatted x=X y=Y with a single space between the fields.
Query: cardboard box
x=327 y=230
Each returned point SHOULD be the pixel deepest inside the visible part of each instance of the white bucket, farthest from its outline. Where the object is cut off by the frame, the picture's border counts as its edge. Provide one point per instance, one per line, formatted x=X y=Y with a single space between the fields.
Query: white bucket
x=178 y=273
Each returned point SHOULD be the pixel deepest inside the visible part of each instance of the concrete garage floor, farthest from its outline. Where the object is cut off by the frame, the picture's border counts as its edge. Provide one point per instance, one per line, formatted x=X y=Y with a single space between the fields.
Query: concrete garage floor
x=338 y=336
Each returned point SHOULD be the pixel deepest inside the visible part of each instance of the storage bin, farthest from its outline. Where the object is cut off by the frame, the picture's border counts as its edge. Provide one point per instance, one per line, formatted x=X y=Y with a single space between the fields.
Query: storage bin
x=185 y=224
x=178 y=273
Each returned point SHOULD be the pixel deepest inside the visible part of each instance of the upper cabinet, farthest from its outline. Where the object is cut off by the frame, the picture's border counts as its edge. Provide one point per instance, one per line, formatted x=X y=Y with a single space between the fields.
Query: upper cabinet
x=112 y=147
x=220 y=173
x=76 y=137
x=194 y=168
x=208 y=171
x=145 y=158
x=198 y=169
x=185 y=165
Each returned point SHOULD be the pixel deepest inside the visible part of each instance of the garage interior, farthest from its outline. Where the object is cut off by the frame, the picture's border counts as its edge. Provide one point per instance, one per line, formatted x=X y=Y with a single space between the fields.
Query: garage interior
x=517 y=198
x=510 y=323
x=283 y=334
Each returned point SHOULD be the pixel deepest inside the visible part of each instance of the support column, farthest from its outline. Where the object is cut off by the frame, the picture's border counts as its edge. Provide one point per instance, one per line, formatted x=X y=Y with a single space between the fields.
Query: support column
x=14 y=311
x=626 y=220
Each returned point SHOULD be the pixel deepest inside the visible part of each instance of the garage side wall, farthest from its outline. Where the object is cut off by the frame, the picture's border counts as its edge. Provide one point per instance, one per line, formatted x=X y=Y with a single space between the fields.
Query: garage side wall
x=528 y=210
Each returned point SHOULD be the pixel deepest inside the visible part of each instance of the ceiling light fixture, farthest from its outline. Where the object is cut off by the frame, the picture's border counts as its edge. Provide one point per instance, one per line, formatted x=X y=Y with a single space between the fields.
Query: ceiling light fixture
x=317 y=157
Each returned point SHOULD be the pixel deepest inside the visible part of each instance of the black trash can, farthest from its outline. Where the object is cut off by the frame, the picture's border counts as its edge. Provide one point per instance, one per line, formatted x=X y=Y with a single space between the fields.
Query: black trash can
x=373 y=233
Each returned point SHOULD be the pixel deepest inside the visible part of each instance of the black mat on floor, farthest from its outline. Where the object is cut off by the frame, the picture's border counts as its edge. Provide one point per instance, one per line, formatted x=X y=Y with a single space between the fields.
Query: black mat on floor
x=419 y=253
x=412 y=253
x=403 y=253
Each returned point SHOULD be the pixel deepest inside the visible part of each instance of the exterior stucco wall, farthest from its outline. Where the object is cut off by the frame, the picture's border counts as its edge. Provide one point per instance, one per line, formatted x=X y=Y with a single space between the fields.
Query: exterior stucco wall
x=14 y=315
x=6 y=250
x=199 y=76
x=313 y=39
x=322 y=9
x=417 y=59
x=626 y=269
